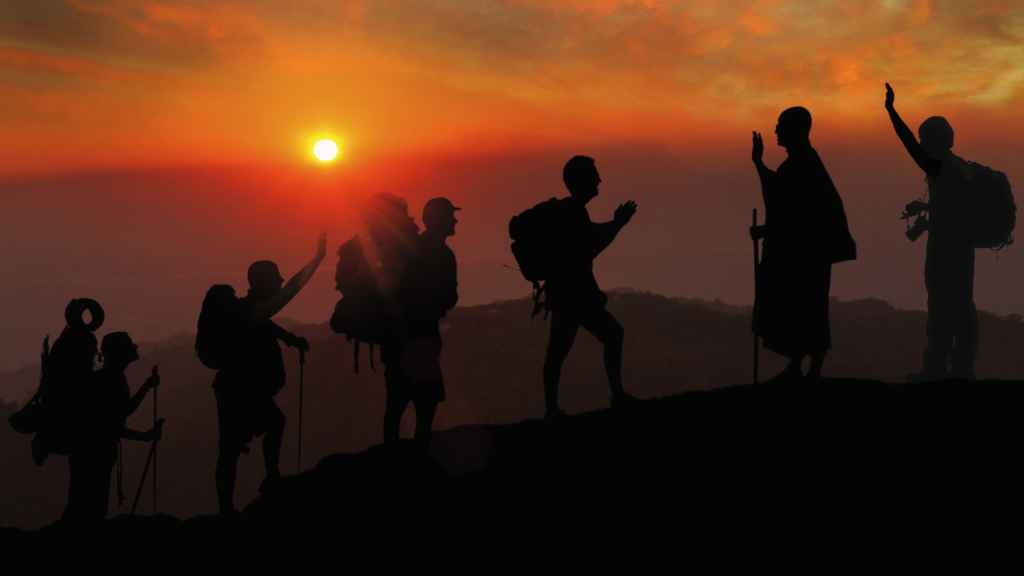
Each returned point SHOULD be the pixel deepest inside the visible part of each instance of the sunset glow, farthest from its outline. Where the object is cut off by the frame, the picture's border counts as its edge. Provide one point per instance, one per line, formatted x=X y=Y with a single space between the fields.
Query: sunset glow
x=481 y=102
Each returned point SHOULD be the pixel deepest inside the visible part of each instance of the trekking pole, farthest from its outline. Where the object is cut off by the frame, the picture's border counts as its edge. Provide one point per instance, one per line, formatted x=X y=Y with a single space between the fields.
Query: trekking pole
x=756 y=259
x=154 y=446
x=302 y=366
x=151 y=457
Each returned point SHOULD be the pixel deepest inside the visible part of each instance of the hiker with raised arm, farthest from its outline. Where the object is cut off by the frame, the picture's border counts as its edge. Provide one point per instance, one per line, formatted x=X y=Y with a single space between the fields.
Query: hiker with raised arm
x=805 y=233
x=429 y=289
x=107 y=405
x=968 y=206
x=239 y=339
x=556 y=242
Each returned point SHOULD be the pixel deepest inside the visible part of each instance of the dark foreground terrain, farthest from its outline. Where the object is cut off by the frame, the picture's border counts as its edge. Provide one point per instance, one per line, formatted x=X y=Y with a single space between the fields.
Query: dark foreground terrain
x=740 y=476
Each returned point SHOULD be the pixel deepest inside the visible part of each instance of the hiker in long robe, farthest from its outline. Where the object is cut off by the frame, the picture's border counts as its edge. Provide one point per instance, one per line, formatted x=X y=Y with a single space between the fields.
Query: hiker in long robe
x=805 y=232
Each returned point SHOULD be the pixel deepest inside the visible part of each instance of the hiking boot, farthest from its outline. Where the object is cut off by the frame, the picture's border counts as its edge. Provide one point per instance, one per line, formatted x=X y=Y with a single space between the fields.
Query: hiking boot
x=270 y=484
x=557 y=417
x=928 y=375
x=624 y=401
x=787 y=376
x=962 y=373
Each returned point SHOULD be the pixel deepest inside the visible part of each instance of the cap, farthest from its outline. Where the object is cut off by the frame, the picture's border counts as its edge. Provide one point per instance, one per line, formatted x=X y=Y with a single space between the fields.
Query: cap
x=438 y=206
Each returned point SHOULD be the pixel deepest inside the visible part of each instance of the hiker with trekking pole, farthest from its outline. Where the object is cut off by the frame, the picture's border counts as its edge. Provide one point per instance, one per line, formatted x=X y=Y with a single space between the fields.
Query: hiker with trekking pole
x=805 y=232
x=108 y=405
x=237 y=337
x=152 y=456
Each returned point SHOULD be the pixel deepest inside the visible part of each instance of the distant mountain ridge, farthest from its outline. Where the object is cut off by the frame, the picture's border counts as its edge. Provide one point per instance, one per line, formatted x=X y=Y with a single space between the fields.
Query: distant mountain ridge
x=492 y=360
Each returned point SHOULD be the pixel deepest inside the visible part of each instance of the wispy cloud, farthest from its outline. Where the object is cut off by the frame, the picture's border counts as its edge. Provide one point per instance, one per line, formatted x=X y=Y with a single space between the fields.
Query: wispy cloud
x=425 y=72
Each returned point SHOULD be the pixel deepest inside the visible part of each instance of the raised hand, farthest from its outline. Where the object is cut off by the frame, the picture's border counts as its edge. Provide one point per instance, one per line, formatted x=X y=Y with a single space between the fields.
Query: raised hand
x=890 y=96
x=625 y=212
x=154 y=379
x=758 y=150
x=321 y=244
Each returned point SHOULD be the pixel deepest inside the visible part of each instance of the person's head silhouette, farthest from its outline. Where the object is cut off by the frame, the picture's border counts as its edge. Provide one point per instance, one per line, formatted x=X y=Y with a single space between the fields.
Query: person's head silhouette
x=936 y=136
x=794 y=127
x=118 y=349
x=264 y=280
x=439 y=217
x=581 y=178
x=387 y=219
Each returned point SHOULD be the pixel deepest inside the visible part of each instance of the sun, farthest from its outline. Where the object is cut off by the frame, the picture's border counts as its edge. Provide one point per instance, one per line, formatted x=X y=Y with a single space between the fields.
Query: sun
x=325 y=150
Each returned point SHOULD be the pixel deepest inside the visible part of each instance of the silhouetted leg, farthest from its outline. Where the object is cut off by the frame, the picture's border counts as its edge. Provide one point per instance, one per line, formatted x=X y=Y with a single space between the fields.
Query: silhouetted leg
x=607 y=330
x=940 y=326
x=227 y=469
x=965 y=327
x=229 y=448
x=395 y=407
x=564 y=326
x=272 y=440
x=425 y=410
x=815 y=370
x=78 y=492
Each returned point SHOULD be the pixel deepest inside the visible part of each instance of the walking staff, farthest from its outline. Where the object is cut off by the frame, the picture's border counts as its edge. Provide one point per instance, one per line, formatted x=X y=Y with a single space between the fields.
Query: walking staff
x=150 y=458
x=757 y=344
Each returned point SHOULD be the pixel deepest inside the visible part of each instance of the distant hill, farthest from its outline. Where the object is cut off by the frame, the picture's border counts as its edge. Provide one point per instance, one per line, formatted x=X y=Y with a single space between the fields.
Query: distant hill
x=492 y=363
x=814 y=473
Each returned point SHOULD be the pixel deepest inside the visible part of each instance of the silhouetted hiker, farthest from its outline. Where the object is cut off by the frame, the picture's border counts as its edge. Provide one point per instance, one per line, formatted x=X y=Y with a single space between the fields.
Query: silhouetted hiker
x=107 y=404
x=252 y=372
x=970 y=206
x=805 y=232
x=429 y=289
x=556 y=241
x=54 y=413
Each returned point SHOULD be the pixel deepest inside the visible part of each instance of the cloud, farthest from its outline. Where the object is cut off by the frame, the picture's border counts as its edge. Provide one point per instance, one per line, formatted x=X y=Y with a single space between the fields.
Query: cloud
x=430 y=72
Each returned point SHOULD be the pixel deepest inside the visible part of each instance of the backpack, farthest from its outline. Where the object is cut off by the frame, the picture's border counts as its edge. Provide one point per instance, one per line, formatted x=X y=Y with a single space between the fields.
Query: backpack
x=218 y=327
x=538 y=245
x=993 y=213
x=55 y=412
x=360 y=314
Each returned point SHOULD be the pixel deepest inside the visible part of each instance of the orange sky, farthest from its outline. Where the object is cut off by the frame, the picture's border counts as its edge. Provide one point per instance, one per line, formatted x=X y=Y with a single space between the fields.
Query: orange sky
x=134 y=83
x=149 y=149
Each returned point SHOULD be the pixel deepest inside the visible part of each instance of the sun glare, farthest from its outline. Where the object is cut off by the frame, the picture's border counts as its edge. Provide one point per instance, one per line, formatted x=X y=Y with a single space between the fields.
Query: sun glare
x=325 y=150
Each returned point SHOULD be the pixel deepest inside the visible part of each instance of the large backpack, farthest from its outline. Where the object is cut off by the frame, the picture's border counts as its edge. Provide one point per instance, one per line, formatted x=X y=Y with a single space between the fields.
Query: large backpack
x=55 y=414
x=993 y=213
x=538 y=245
x=360 y=314
x=219 y=326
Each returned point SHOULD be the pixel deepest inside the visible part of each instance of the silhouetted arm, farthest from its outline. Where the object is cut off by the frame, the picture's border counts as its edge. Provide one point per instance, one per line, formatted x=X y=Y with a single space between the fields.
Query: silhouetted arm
x=287 y=337
x=609 y=230
x=931 y=166
x=152 y=382
x=154 y=433
x=265 y=310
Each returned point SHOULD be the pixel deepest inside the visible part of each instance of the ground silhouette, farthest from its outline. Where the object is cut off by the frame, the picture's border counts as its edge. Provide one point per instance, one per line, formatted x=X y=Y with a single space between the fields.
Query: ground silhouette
x=745 y=474
x=486 y=348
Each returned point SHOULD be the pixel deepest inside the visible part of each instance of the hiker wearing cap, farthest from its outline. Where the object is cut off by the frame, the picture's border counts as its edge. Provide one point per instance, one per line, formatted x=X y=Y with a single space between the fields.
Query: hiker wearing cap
x=959 y=219
x=107 y=406
x=429 y=290
x=573 y=297
x=253 y=373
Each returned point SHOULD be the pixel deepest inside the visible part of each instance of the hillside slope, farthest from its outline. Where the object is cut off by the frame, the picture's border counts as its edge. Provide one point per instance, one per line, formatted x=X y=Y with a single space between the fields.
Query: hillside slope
x=744 y=474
